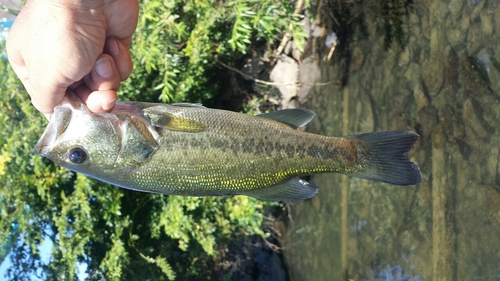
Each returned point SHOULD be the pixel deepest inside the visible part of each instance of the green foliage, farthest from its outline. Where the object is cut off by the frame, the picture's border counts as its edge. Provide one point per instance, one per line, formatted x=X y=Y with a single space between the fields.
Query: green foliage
x=108 y=228
x=205 y=218
x=178 y=43
x=121 y=234
x=265 y=20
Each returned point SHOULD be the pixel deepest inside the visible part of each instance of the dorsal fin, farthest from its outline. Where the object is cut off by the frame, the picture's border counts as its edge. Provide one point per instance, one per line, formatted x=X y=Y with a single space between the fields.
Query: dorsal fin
x=187 y=104
x=295 y=118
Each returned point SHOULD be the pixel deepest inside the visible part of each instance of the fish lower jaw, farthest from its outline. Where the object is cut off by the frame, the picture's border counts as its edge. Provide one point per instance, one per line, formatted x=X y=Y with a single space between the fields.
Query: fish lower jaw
x=42 y=149
x=45 y=144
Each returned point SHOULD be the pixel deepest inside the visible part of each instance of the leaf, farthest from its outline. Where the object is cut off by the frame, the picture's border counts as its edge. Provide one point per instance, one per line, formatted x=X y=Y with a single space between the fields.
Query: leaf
x=159 y=86
x=165 y=267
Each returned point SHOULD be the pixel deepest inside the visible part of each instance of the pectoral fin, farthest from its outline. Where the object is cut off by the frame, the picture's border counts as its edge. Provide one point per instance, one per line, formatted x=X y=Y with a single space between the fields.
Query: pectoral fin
x=290 y=190
x=294 y=118
x=168 y=121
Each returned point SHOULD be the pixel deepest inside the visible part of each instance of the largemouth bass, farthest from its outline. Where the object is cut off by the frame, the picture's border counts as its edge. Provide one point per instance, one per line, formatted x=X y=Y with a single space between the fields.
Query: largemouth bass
x=188 y=149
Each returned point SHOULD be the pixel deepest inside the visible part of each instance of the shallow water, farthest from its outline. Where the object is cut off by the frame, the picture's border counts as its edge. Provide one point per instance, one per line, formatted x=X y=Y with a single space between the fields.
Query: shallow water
x=441 y=80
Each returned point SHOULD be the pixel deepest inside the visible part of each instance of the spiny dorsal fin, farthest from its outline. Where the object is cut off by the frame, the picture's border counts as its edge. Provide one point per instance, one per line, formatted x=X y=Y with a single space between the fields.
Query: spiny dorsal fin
x=187 y=104
x=295 y=118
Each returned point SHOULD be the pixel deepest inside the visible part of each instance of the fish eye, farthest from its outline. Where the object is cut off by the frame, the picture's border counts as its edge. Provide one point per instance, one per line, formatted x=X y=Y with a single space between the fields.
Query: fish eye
x=77 y=155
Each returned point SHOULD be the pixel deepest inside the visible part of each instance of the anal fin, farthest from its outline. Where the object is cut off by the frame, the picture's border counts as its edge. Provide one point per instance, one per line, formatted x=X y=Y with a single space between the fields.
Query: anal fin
x=290 y=190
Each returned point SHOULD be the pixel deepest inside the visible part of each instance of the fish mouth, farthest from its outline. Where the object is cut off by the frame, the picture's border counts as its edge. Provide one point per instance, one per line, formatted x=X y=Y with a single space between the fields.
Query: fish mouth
x=58 y=123
x=46 y=141
x=57 y=126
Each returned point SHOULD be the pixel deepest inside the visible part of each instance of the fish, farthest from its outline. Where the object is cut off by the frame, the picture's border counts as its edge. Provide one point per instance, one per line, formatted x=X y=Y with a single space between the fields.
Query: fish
x=190 y=150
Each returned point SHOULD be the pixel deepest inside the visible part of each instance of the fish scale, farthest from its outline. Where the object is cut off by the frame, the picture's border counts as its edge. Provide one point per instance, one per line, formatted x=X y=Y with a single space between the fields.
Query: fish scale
x=246 y=166
x=185 y=149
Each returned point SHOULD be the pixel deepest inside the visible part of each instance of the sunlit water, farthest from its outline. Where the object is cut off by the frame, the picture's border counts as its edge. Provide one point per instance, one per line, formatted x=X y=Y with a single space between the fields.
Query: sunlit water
x=444 y=83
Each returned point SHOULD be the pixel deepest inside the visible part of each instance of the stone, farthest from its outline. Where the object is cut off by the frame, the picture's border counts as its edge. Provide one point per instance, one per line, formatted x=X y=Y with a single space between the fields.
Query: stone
x=308 y=75
x=465 y=24
x=485 y=65
x=486 y=23
x=285 y=74
x=412 y=73
x=477 y=10
x=458 y=129
x=492 y=161
x=446 y=119
x=437 y=43
x=494 y=197
x=408 y=74
x=357 y=59
x=288 y=48
x=496 y=18
x=432 y=74
x=496 y=51
x=365 y=113
x=473 y=119
x=296 y=51
x=428 y=117
x=438 y=137
x=452 y=64
x=404 y=57
x=455 y=8
x=439 y=11
x=421 y=100
x=425 y=27
x=455 y=37
x=414 y=19
x=476 y=38
x=318 y=31
x=476 y=129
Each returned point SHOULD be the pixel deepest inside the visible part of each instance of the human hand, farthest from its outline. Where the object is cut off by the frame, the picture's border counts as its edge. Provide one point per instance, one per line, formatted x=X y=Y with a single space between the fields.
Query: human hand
x=81 y=45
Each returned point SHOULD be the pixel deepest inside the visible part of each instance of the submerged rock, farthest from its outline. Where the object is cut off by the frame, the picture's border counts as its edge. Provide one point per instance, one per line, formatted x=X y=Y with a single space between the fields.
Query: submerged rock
x=476 y=129
x=432 y=73
x=308 y=75
x=428 y=119
x=286 y=75
x=357 y=59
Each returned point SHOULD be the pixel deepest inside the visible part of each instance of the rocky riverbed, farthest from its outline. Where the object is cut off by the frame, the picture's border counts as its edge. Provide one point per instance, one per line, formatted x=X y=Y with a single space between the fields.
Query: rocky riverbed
x=439 y=76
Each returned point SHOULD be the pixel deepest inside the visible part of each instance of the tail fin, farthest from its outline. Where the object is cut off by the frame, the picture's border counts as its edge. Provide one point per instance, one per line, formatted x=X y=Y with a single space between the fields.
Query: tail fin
x=383 y=155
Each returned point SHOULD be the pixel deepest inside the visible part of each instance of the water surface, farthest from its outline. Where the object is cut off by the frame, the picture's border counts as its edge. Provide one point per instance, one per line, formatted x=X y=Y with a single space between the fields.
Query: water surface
x=439 y=75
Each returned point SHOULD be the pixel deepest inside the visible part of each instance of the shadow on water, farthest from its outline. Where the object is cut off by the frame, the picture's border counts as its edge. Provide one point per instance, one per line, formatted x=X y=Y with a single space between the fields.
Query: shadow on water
x=434 y=68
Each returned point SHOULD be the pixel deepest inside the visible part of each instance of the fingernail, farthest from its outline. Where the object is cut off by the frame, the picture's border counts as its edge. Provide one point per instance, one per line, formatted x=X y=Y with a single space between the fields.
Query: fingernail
x=103 y=68
x=112 y=46
x=107 y=106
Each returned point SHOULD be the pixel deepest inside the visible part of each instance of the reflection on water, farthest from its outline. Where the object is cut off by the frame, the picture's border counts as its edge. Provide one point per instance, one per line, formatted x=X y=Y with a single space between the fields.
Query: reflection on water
x=442 y=80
